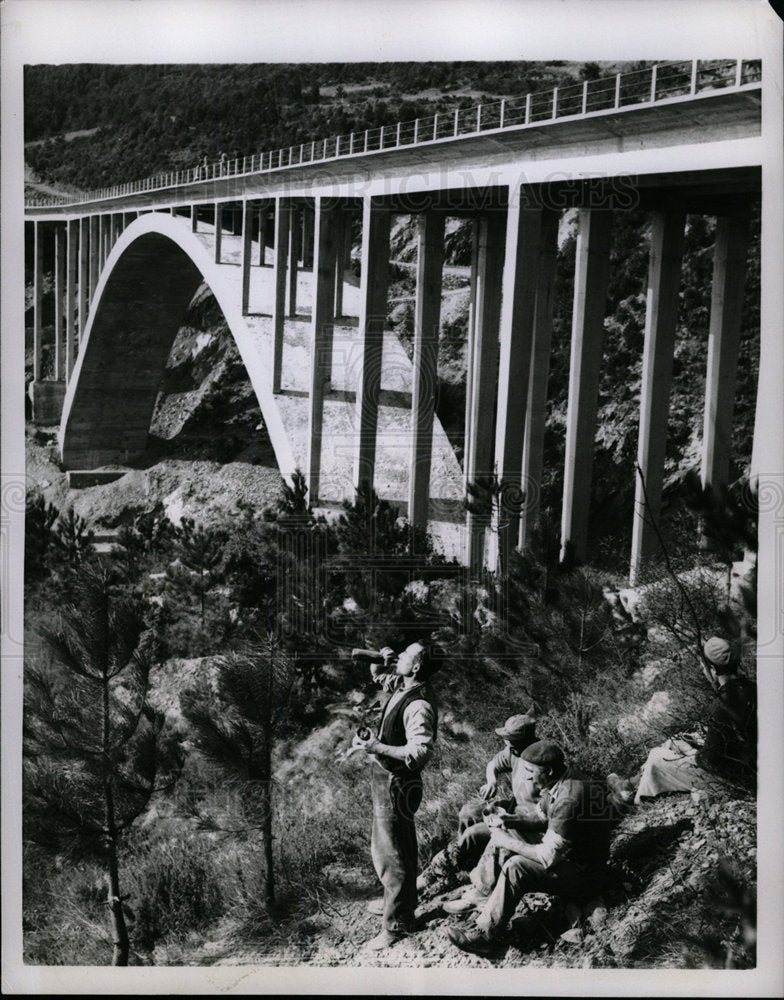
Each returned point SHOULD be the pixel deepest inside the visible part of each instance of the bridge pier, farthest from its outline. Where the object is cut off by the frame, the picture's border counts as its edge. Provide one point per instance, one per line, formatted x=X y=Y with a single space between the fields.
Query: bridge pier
x=661 y=314
x=104 y=221
x=321 y=335
x=84 y=274
x=282 y=227
x=373 y=293
x=308 y=237
x=590 y=293
x=94 y=267
x=343 y=258
x=71 y=286
x=38 y=295
x=483 y=376
x=247 y=247
x=536 y=403
x=60 y=233
x=427 y=322
x=295 y=224
x=518 y=310
x=218 y=230
x=729 y=274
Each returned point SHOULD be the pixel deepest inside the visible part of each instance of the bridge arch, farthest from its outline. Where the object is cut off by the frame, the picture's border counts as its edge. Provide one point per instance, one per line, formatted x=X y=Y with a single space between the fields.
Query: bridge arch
x=149 y=278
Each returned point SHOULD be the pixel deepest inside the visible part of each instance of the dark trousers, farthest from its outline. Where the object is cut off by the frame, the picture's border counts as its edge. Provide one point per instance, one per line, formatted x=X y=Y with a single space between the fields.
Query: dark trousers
x=393 y=844
x=520 y=875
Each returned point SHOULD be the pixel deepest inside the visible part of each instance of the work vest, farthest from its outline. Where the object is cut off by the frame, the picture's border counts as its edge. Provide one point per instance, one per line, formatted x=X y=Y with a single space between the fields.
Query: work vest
x=392 y=730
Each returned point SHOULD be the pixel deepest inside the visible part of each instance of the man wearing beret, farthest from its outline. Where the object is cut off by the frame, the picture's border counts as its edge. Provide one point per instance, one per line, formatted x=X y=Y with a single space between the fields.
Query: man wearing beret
x=518 y=732
x=730 y=745
x=571 y=832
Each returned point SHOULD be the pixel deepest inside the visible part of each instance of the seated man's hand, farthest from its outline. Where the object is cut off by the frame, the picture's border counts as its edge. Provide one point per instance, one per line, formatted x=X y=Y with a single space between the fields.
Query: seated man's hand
x=496 y=820
x=488 y=790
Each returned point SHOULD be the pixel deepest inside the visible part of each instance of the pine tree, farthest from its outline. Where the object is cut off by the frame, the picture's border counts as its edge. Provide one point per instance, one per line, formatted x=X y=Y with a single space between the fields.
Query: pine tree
x=200 y=550
x=236 y=733
x=40 y=517
x=95 y=749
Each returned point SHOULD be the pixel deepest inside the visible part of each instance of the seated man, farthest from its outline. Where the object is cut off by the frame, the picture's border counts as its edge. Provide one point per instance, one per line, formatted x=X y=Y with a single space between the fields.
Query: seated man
x=729 y=749
x=571 y=833
x=518 y=732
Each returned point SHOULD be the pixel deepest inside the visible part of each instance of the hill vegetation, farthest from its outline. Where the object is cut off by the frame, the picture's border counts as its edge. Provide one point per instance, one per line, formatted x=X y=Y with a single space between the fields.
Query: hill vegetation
x=92 y=125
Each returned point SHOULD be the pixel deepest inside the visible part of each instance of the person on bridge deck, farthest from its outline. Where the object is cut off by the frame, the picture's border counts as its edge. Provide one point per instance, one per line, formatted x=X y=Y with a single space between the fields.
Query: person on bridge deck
x=728 y=749
x=518 y=732
x=562 y=851
x=399 y=751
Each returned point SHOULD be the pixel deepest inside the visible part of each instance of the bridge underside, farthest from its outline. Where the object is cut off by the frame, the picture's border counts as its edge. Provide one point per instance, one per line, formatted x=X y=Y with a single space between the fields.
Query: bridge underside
x=142 y=304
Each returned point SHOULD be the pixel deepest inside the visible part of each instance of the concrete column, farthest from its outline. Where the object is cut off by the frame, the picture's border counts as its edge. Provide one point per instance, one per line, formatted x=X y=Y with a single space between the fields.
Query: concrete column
x=590 y=294
x=269 y=231
x=308 y=237
x=84 y=273
x=661 y=314
x=427 y=321
x=372 y=320
x=103 y=252
x=70 y=296
x=729 y=274
x=194 y=219
x=483 y=374
x=60 y=235
x=536 y=409
x=294 y=236
x=339 y=261
x=470 y=344
x=321 y=336
x=218 y=230
x=128 y=218
x=94 y=255
x=38 y=296
x=115 y=229
x=262 y=220
x=523 y=233
x=247 y=251
x=282 y=227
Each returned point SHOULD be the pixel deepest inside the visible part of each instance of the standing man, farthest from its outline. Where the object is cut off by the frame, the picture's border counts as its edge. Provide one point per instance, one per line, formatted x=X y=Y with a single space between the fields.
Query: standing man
x=399 y=751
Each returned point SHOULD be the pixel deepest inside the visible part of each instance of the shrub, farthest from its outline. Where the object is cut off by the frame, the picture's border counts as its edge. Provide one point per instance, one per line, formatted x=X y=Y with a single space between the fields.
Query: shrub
x=175 y=887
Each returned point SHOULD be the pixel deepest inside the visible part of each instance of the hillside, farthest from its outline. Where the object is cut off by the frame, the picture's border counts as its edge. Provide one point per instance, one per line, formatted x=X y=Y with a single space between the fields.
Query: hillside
x=91 y=125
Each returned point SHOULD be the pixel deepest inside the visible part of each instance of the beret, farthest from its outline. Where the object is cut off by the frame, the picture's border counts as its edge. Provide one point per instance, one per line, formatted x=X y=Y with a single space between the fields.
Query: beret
x=545 y=753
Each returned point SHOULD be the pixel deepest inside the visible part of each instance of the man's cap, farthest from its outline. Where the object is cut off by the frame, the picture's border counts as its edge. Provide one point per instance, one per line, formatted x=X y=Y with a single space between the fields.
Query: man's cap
x=517 y=726
x=545 y=753
x=720 y=653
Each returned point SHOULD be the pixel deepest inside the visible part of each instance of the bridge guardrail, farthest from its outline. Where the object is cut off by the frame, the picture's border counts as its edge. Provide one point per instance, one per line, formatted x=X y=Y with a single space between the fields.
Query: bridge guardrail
x=642 y=87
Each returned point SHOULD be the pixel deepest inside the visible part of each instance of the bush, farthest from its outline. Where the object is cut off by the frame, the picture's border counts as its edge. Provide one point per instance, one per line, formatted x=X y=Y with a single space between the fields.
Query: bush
x=175 y=887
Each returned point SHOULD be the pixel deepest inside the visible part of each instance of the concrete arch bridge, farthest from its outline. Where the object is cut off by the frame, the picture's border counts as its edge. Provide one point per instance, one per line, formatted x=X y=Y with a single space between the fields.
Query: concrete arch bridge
x=342 y=400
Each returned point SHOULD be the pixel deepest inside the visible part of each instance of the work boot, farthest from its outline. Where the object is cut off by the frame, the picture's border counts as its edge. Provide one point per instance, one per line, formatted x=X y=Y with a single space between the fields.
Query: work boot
x=472 y=940
x=385 y=939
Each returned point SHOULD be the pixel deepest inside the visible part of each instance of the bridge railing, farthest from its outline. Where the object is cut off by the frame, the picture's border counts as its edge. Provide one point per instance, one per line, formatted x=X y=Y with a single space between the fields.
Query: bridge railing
x=640 y=87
